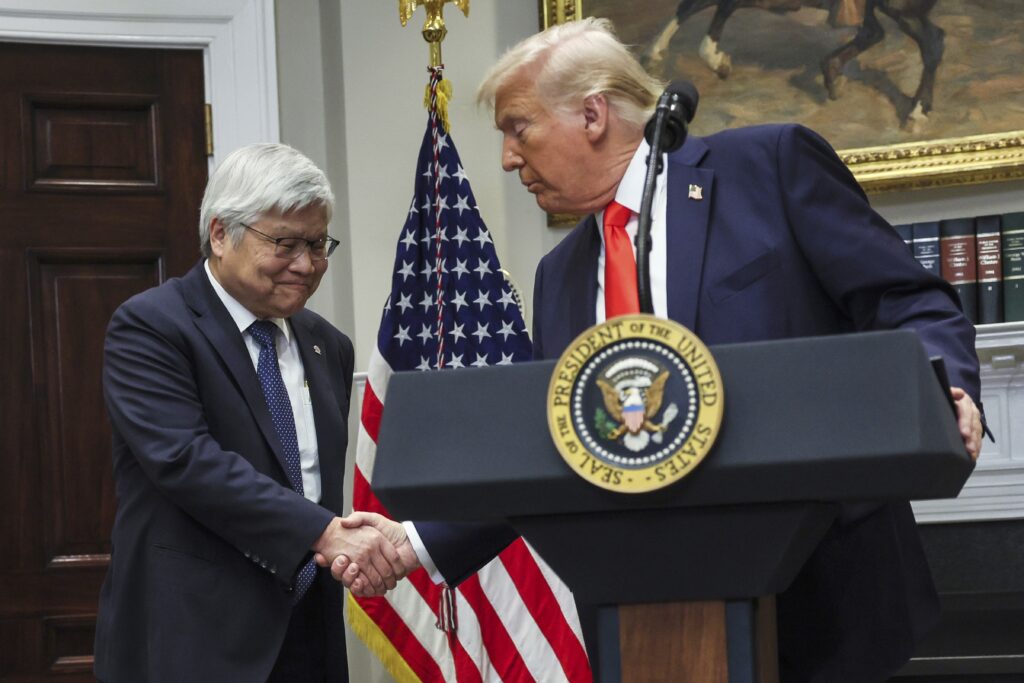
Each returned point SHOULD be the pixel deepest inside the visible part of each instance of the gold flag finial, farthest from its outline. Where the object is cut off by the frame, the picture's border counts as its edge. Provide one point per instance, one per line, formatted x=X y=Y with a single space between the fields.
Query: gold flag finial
x=434 y=30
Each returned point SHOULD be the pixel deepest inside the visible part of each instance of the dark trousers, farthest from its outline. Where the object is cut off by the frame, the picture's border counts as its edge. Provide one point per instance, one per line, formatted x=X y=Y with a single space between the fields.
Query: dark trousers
x=303 y=655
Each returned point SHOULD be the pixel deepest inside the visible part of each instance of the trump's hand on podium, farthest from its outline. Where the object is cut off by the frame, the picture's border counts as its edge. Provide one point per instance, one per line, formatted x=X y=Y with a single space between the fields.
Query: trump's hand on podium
x=380 y=563
x=968 y=418
x=352 y=573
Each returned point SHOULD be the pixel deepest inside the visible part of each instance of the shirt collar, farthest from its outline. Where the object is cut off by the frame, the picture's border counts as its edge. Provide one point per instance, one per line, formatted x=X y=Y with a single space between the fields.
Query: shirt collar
x=630 y=192
x=242 y=316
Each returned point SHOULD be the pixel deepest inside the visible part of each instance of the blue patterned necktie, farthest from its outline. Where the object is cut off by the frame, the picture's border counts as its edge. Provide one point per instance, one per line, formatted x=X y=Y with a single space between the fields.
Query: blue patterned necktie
x=284 y=424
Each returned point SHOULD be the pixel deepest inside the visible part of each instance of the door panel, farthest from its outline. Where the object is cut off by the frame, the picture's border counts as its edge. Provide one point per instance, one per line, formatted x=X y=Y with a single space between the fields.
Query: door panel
x=102 y=169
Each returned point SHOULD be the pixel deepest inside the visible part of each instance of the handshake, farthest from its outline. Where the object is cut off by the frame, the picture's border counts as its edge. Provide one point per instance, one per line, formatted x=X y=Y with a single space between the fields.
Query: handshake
x=366 y=552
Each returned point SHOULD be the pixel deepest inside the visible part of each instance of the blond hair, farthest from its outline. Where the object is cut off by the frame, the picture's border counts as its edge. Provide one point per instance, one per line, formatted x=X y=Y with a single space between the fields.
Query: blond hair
x=579 y=59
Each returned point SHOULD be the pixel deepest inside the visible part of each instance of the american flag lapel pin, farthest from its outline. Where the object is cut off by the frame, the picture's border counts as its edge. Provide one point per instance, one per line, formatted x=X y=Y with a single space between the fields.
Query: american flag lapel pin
x=696 y=192
x=316 y=350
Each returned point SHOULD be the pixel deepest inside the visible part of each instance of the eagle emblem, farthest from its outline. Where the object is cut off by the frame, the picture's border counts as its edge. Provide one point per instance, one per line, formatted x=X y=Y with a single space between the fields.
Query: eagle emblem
x=633 y=390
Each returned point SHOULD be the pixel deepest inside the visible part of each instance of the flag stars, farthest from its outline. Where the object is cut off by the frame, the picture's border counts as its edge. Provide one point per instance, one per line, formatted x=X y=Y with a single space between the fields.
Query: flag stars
x=412 y=208
x=483 y=268
x=427 y=302
x=461 y=235
x=460 y=173
x=442 y=143
x=425 y=334
x=406 y=271
x=506 y=330
x=483 y=237
x=404 y=302
x=506 y=359
x=456 y=361
x=424 y=364
x=507 y=299
x=481 y=361
x=481 y=332
x=409 y=238
x=459 y=300
x=403 y=335
x=460 y=267
x=457 y=332
x=461 y=204
x=442 y=203
x=482 y=299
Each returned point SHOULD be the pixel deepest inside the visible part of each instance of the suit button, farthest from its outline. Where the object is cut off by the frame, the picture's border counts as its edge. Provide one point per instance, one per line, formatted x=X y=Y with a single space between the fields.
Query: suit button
x=248 y=554
x=273 y=569
x=263 y=563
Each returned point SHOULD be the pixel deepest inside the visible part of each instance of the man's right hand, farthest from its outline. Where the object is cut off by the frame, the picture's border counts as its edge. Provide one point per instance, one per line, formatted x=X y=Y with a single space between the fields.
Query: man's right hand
x=352 y=573
x=379 y=563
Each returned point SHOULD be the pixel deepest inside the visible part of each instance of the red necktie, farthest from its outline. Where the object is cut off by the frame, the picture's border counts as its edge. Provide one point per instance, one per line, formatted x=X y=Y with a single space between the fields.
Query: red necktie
x=620 y=292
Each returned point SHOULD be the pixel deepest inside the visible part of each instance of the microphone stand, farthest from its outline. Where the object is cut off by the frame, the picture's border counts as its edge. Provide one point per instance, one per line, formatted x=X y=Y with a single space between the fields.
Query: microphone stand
x=643 y=233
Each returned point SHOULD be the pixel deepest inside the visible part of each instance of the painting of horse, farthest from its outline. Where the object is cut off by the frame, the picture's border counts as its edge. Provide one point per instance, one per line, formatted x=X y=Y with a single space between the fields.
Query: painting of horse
x=911 y=16
x=861 y=72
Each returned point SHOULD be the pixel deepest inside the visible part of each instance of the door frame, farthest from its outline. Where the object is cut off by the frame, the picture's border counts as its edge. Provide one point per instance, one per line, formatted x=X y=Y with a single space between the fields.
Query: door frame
x=237 y=38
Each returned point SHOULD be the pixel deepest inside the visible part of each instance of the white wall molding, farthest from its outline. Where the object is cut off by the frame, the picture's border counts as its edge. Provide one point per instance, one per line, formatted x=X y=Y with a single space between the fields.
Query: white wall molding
x=236 y=36
x=996 y=489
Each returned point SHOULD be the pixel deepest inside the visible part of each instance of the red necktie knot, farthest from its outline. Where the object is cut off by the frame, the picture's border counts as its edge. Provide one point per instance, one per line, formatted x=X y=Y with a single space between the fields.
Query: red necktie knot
x=620 y=289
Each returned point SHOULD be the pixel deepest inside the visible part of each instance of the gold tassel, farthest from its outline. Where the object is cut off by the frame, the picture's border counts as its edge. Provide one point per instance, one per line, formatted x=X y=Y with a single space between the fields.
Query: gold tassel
x=444 y=94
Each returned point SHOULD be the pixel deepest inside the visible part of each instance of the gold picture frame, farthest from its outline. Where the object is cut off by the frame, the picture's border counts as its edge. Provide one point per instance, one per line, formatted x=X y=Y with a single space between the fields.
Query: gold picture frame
x=964 y=159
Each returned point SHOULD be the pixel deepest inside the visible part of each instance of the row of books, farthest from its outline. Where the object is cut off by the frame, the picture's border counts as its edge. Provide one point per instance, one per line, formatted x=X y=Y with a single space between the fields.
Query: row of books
x=983 y=258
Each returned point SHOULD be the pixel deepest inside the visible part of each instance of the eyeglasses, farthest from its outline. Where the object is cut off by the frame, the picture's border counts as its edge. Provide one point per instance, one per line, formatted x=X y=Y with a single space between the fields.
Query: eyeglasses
x=292 y=247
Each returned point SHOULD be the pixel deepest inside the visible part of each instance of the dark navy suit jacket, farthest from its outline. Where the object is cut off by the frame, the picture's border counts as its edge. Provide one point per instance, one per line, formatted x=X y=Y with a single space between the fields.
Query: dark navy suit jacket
x=208 y=535
x=782 y=244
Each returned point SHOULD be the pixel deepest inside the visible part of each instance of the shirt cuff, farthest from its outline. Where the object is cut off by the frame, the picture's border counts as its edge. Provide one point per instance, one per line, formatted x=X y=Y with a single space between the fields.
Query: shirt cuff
x=421 y=552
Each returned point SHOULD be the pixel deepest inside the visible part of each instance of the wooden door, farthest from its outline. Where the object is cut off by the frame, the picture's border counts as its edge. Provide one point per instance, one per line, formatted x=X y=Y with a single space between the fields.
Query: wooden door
x=102 y=169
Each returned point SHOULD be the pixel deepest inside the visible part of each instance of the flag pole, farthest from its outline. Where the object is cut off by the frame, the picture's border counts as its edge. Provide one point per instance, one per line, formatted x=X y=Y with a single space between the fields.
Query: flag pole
x=439 y=90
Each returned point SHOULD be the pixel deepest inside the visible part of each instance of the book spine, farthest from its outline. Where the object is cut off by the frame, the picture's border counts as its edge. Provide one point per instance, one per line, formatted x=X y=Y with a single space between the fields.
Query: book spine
x=959 y=261
x=926 y=246
x=990 y=271
x=1013 y=267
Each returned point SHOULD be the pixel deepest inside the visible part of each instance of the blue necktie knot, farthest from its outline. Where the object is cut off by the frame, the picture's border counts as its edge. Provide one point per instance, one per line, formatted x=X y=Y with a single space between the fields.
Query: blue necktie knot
x=263 y=332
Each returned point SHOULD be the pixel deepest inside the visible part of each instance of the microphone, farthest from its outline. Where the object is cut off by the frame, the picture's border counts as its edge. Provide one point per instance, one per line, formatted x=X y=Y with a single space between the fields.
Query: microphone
x=665 y=132
x=679 y=104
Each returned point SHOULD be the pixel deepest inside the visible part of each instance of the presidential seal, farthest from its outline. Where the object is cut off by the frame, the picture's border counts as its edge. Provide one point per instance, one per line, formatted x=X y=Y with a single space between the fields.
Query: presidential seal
x=635 y=403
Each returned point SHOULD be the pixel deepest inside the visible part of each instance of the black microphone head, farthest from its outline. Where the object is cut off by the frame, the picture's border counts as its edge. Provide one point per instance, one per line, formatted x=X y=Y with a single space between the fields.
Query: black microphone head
x=677 y=106
x=688 y=97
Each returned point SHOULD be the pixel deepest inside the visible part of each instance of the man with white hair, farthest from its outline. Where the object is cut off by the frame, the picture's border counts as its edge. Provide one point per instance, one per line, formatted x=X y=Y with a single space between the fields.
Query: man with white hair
x=758 y=233
x=228 y=404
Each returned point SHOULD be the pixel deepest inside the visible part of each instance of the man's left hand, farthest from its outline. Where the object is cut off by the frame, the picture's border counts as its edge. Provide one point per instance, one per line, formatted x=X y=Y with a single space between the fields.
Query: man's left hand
x=968 y=419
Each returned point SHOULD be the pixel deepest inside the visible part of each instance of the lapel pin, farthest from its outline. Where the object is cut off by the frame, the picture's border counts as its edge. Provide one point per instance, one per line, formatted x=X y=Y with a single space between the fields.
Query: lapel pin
x=696 y=192
x=316 y=349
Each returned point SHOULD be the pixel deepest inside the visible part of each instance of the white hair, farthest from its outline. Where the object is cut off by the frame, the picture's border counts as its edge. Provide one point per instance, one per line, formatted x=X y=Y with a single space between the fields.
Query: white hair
x=579 y=59
x=260 y=179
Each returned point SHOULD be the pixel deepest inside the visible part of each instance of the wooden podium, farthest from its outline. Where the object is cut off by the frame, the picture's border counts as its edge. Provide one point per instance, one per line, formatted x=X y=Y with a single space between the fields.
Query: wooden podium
x=808 y=423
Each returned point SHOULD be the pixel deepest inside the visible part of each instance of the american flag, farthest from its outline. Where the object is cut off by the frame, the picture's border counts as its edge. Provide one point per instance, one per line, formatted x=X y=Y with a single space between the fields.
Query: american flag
x=450 y=307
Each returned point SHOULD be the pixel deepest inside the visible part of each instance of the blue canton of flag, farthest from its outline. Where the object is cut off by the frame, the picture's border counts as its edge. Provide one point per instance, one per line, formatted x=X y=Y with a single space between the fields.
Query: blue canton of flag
x=479 y=317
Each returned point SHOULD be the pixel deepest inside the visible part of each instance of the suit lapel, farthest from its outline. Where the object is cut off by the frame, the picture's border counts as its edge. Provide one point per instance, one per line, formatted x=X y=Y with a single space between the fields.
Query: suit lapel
x=687 y=229
x=581 y=281
x=326 y=410
x=215 y=323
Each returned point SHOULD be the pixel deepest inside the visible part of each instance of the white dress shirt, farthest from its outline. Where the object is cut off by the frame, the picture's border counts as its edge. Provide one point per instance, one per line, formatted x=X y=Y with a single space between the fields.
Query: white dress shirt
x=294 y=376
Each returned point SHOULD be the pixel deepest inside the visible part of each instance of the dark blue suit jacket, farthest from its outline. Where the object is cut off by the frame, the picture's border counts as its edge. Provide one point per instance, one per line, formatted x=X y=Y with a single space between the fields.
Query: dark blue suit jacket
x=208 y=535
x=783 y=244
